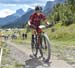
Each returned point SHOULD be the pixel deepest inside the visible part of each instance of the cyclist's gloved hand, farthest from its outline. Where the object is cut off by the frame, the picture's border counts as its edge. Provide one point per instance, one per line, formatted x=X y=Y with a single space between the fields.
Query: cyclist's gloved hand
x=47 y=23
x=50 y=25
x=31 y=25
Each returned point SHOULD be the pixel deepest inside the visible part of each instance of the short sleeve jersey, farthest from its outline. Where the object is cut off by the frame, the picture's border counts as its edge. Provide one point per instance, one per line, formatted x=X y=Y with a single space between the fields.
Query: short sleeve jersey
x=35 y=19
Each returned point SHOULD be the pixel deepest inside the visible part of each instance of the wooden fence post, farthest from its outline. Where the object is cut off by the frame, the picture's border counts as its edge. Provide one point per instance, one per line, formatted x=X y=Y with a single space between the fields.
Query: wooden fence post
x=1 y=52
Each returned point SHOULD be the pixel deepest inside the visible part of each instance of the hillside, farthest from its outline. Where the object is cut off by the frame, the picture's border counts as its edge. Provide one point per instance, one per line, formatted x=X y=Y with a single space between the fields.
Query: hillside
x=62 y=33
x=11 y=18
x=20 y=22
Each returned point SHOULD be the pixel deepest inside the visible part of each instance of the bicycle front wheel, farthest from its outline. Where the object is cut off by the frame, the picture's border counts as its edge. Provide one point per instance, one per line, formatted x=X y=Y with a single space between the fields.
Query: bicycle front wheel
x=34 y=46
x=46 y=48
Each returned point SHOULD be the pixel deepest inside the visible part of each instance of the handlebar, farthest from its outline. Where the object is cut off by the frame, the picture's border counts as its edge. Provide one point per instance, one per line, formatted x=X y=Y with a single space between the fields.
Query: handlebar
x=41 y=26
x=47 y=26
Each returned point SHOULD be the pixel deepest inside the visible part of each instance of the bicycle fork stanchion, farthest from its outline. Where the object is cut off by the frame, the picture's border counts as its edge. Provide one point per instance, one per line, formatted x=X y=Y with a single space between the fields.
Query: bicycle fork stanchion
x=1 y=52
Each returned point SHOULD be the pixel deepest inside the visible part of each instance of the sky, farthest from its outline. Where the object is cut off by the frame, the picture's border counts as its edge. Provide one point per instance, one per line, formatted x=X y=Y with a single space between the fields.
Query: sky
x=8 y=7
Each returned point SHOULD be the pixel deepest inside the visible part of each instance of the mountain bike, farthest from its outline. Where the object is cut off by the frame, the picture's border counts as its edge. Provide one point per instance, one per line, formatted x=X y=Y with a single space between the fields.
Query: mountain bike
x=42 y=44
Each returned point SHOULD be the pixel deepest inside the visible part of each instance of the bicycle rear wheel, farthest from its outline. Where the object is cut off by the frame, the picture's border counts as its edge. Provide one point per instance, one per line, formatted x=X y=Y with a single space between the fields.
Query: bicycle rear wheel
x=46 y=48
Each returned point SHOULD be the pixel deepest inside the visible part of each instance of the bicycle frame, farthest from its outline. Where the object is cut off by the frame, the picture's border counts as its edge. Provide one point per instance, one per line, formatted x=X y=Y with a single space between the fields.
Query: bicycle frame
x=39 y=34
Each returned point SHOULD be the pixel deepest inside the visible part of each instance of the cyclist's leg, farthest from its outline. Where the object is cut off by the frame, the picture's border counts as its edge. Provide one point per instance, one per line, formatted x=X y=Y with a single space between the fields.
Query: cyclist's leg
x=32 y=39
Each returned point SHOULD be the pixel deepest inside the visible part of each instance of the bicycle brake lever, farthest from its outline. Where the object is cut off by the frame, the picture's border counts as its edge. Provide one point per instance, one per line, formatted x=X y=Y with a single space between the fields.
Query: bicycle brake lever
x=42 y=26
x=50 y=25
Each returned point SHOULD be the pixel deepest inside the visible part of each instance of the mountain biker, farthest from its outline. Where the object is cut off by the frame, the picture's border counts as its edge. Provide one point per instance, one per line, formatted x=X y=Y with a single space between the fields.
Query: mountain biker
x=35 y=21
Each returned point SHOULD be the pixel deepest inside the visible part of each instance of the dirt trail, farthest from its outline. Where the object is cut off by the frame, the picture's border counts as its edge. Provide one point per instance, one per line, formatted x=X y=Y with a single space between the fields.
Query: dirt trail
x=21 y=54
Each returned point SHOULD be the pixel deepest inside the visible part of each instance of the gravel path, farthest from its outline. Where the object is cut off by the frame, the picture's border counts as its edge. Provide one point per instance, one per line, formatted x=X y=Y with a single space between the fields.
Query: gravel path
x=21 y=54
x=17 y=54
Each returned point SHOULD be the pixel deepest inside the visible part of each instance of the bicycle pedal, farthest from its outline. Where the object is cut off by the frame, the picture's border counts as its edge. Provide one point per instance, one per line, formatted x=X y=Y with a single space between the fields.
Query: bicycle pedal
x=43 y=59
x=40 y=57
x=35 y=55
x=31 y=56
x=47 y=61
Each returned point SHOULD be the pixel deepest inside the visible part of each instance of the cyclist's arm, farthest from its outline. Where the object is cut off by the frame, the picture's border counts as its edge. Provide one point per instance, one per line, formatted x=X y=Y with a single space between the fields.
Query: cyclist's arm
x=44 y=19
x=30 y=19
x=29 y=23
x=46 y=22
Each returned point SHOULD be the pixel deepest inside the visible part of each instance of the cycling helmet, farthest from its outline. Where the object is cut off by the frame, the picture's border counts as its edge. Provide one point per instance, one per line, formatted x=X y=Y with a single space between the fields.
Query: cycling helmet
x=38 y=8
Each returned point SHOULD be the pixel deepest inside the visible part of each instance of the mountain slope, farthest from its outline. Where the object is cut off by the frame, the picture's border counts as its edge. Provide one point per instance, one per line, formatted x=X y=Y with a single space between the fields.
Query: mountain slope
x=10 y=18
x=19 y=12
x=20 y=21
x=59 y=1
x=48 y=7
x=4 y=21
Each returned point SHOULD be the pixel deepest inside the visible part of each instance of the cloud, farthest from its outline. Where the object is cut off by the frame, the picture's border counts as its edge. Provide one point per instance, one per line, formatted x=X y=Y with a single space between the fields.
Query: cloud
x=17 y=1
x=45 y=0
x=50 y=0
x=6 y=12
x=35 y=4
x=15 y=7
x=22 y=1
x=4 y=4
